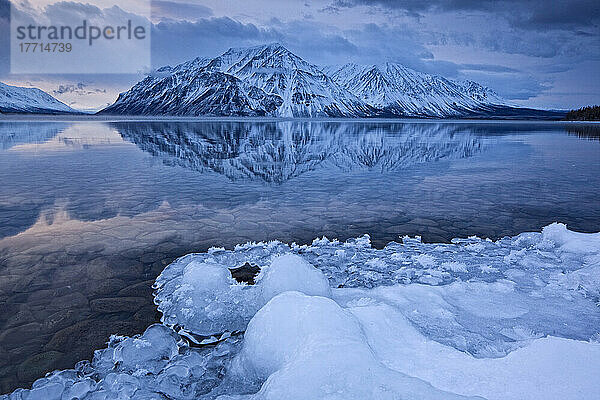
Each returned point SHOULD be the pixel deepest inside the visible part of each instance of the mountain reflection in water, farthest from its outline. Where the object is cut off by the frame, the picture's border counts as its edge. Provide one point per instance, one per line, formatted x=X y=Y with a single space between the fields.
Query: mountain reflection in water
x=277 y=152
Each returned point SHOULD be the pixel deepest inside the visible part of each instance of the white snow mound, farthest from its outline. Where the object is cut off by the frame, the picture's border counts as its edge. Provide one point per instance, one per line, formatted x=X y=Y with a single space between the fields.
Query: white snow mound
x=291 y=272
x=310 y=348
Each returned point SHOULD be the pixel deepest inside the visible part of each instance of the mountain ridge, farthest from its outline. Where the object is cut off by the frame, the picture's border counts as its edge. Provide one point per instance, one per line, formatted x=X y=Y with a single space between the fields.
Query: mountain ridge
x=16 y=99
x=270 y=80
x=275 y=75
x=399 y=90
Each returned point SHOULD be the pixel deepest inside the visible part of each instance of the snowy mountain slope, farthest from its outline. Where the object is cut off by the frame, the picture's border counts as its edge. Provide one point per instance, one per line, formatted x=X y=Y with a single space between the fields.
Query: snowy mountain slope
x=194 y=91
x=261 y=80
x=270 y=80
x=14 y=99
x=398 y=90
x=306 y=91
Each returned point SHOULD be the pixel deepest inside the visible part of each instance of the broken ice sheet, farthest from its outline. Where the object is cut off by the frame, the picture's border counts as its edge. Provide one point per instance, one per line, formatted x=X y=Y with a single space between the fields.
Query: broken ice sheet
x=515 y=318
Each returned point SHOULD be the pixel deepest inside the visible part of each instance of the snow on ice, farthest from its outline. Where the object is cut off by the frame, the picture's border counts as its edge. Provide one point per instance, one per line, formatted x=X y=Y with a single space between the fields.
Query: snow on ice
x=517 y=318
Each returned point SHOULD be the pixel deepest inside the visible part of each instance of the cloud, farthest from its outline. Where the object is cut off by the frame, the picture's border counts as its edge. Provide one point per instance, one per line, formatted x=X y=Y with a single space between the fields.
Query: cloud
x=494 y=36
x=78 y=88
x=503 y=40
x=164 y=9
x=486 y=68
x=4 y=37
x=510 y=85
x=529 y=14
x=175 y=41
x=178 y=41
x=419 y=7
x=566 y=14
x=543 y=44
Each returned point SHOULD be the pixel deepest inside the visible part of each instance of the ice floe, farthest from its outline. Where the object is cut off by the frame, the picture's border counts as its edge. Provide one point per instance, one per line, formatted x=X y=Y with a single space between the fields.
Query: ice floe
x=517 y=318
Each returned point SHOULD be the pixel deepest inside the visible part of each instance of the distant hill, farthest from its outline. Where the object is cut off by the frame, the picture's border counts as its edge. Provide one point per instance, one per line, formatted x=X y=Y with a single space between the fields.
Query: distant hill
x=14 y=99
x=590 y=113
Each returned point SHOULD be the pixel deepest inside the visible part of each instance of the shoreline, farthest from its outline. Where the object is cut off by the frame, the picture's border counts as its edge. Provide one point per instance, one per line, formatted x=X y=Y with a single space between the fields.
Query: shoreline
x=143 y=118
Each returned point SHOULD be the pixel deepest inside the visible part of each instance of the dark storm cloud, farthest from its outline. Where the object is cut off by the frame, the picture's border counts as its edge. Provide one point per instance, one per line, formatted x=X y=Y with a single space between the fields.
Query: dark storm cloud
x=570 y=14
x=177 y=41
x=179 y=10
x=528 y=14
x=501 y=39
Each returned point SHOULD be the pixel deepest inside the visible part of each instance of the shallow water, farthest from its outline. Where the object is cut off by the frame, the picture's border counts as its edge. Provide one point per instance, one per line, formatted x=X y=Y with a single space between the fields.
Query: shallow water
x=92 y=211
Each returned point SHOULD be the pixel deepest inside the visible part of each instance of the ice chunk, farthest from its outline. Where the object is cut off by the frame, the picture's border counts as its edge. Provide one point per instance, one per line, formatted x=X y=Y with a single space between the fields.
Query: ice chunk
x=206 y=277
x=291 y=324
x=475 y=316
x=585 y=281
x=148 y=352
x=554 y=287
x=155 y=365
x=310 y=348
x=204 y=299
x=573 y=242
x=291 y=272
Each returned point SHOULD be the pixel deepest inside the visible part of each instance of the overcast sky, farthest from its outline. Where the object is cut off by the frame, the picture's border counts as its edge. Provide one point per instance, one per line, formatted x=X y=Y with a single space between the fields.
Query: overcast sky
x=536 y=53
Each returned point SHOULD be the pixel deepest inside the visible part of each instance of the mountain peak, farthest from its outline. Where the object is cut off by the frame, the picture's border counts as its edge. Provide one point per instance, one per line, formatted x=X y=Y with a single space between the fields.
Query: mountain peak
x=242 y=61
x=271 y=47
x=275 y=46
x=280 y=83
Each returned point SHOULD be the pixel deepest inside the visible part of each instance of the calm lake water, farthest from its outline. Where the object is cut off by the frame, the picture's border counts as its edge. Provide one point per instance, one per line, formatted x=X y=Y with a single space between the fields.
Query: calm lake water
x=91 y=211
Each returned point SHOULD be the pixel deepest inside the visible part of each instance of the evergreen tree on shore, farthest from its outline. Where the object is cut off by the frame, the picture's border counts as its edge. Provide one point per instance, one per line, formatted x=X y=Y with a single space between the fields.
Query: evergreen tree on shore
x=590 y=113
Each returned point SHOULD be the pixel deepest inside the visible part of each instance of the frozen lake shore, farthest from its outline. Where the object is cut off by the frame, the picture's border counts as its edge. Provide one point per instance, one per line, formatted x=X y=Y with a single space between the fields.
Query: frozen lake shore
x=516 y=318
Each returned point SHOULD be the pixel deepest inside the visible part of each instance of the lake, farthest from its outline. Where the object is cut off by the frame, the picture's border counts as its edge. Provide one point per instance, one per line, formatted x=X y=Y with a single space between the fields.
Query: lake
x=91 y=211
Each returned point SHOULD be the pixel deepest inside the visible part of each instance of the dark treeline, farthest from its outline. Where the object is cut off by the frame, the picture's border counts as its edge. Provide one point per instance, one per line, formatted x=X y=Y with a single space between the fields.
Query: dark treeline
x=590 y=113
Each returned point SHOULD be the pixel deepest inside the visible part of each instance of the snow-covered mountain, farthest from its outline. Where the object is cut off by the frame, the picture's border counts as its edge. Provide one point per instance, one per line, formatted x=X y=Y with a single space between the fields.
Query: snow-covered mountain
x=262 y=80
x=195 y=91
x=270 y=80
x=398 y=90
x=305 y=90
x=14 y=99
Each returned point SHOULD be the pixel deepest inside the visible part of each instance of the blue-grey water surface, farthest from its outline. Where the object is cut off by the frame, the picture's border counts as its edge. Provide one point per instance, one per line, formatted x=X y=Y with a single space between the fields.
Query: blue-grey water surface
x=91 y=211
